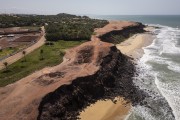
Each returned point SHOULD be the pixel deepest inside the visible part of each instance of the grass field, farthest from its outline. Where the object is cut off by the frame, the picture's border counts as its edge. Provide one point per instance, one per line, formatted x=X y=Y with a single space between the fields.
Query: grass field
x=7 y=51
x=52 y=54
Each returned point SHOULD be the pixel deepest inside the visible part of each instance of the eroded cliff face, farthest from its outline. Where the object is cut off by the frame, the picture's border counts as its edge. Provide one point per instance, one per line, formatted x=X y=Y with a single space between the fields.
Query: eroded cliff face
x=114 y=78
x=116 y=36
x=91 y=71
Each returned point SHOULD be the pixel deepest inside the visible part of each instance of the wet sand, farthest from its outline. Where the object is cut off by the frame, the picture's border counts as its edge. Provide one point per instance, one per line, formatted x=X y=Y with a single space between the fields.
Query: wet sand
x=107 y=110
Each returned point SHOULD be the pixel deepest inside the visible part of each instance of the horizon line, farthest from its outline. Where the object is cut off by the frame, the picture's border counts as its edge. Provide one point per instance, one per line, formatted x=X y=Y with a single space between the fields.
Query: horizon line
x=93 y=14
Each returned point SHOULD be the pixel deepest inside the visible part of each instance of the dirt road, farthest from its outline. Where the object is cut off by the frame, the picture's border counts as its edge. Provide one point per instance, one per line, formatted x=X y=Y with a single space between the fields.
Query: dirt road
x=28 y=50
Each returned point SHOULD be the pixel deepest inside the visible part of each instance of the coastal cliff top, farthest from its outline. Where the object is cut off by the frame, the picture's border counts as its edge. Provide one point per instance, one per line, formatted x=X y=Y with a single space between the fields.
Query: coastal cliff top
x=114 y=25
x=26 y=94
x=80 y=61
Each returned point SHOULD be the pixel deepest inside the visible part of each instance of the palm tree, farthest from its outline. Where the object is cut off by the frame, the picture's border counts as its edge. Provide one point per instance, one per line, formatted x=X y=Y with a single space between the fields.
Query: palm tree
x=41 y=54
x=24 y=53
x=6 y=65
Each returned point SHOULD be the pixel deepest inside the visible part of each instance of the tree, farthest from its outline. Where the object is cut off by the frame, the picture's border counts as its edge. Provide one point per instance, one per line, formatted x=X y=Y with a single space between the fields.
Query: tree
x=41 y=54
x=6 y=65
x=24 y=53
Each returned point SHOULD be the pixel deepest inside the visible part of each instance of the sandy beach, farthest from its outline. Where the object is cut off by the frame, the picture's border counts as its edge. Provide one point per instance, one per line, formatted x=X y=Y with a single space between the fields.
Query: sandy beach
x=132 y=47
x=107 y=110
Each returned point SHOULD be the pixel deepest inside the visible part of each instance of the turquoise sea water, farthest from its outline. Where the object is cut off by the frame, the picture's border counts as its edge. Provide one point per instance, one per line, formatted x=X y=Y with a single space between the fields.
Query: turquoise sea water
x=159 y=69
x=166 y=20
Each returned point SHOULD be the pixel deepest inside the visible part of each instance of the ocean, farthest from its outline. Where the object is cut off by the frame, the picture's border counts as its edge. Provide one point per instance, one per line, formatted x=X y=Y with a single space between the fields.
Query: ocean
x=159 y=68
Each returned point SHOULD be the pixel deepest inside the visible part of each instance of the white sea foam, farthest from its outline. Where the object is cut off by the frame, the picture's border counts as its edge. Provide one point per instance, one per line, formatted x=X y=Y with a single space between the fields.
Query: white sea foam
x=155 y=55
x=167 y=39
x=167 y=45
x=144 y=113
x=172 y=95
x=174 y=67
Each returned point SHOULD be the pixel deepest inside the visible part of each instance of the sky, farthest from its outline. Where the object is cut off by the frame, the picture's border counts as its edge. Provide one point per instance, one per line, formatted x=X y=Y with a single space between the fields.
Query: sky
x=94 y=7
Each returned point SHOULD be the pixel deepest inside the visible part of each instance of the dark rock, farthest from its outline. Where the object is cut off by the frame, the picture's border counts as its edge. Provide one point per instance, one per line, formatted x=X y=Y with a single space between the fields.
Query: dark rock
x=123 y=34
x=114 y=78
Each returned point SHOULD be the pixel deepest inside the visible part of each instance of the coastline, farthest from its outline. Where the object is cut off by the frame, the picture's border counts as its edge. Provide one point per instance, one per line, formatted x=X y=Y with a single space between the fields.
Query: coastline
x=94 y=81
x=132 y=47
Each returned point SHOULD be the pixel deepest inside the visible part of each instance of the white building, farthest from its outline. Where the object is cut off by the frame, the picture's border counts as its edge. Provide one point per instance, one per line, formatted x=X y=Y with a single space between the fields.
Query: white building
x=11 y=35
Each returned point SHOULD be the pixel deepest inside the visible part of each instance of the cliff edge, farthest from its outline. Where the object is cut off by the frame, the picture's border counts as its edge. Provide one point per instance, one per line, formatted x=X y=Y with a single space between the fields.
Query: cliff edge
x=92 y=71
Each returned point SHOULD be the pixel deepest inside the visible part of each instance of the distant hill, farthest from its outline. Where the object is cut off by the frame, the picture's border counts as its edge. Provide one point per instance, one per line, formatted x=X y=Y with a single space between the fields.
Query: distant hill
x=65 y=15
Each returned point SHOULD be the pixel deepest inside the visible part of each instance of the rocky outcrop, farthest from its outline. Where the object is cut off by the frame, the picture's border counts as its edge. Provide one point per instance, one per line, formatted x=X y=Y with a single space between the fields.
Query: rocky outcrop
x=114 y=78
x=116 y=36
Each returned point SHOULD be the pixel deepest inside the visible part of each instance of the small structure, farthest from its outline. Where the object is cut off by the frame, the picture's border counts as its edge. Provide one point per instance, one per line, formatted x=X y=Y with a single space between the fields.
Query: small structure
x=34 y=24
x=46 y=24
x=11 y=35
x=1 y=36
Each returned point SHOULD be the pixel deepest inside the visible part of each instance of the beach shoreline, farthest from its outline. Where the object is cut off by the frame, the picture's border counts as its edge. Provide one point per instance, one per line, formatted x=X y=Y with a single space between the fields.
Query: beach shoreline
x=132 y=47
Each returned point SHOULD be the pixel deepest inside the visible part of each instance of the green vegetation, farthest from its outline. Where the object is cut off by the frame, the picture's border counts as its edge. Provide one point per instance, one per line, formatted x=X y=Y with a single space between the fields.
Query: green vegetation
x=73 y=29
x=10 y=50
x=19 y=21
x=52 y=55
x=6 y=65
x=58 y=27
x=7 y=51
x=41 y=54
x=118 y=38
x=62 y=31
x=24 y=53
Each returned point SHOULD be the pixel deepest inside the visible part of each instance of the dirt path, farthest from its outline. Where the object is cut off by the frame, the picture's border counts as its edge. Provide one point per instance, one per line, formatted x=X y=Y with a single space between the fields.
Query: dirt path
x=28 y=50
